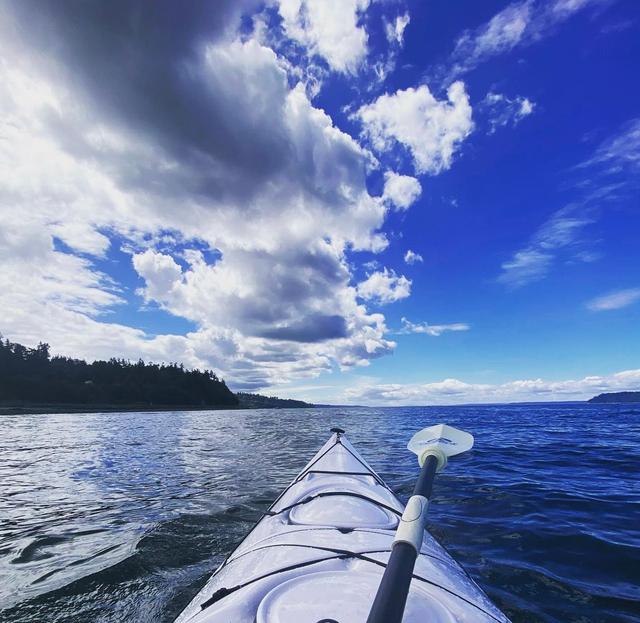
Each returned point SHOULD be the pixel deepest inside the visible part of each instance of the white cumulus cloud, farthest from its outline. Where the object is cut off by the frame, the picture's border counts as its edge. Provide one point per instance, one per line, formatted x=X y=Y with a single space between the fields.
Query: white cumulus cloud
x=246 y=169
x=160 y=272
x=411 y=257
x=401 y=191
x=384 y=286
x=330 y=29
x=431 y=129
x=455 y=391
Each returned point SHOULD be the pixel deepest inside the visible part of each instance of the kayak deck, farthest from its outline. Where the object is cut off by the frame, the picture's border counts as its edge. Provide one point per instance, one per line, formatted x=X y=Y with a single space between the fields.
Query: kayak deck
x=319 y=552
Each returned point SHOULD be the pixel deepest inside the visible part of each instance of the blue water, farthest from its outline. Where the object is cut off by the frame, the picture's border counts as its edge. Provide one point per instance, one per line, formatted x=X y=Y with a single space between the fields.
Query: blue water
x=123 y=516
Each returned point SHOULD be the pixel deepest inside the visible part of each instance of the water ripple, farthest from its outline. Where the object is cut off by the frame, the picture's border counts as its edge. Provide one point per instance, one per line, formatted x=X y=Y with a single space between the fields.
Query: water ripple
x=122 y=517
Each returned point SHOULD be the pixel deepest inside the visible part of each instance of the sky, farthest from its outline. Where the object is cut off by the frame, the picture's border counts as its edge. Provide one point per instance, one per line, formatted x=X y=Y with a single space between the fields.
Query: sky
x=343 y=201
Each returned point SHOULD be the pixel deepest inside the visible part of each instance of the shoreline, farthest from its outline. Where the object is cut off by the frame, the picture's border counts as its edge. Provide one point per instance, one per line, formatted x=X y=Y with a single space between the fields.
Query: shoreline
x=53 y=409
x=47 y=408
x=44 y=409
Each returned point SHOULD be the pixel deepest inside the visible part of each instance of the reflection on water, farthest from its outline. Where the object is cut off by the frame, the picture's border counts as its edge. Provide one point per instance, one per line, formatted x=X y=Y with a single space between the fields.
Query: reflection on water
x=122 y=517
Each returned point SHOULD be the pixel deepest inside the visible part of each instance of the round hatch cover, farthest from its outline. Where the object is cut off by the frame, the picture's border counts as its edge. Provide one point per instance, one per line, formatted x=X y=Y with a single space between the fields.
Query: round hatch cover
x=344 y=511
x=341 y=597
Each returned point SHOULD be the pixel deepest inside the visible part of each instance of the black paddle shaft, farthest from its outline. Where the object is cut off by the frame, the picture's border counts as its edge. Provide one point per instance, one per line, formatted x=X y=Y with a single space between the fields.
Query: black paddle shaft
x=388 y=605
x=424 y=484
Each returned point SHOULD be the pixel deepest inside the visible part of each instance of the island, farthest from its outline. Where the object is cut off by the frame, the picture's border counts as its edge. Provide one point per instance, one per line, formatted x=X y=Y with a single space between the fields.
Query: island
x=33 y=381
x=616 y=397
x=257 y=401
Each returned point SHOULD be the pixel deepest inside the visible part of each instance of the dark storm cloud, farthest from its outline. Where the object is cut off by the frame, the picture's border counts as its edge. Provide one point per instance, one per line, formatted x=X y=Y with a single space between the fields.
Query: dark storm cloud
x=287 y=309
x=157 y=117
x=313 y=328
x=140 y=64
x=201 y=120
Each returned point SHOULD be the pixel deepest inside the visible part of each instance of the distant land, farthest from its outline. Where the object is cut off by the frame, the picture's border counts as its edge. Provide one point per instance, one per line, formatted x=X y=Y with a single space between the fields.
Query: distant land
x=32 y=381
x=257 y=401
x=617 y=397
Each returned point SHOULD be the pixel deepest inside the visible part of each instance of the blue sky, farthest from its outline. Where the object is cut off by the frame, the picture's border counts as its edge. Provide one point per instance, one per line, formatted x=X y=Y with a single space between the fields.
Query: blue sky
x=360 y=201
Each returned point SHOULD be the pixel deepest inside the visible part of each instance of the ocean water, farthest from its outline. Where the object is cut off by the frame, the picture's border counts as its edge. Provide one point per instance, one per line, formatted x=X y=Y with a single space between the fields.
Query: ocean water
x=123 y=516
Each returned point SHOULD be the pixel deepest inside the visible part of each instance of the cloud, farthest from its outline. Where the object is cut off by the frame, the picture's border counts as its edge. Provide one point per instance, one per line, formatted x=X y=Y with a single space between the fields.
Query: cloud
x=586 y=256
x=619 y=153
x=561 y=231
x=384 y=287
x=32 y=271
x=518 y=24
x=395 y=29
x=329 y=29
x=161 y=273
x=430 y=129
x=503 y=111
x=435 y=330
x=383 y=63
x=615 y=300
x=401 y=191
x=501 y=34
x=307 y=303
x=454 y=391
x=411 y=257
x=179 y=146
x=526 y=266
x=607 y=174
x=317 y=40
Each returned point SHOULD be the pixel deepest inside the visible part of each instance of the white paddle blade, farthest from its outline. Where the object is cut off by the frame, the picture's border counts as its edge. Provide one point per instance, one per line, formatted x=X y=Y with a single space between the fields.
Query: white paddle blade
x=447 y=439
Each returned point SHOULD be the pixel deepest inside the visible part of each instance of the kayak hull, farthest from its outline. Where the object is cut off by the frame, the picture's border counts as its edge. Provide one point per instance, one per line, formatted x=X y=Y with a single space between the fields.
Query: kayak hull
x=319 y=552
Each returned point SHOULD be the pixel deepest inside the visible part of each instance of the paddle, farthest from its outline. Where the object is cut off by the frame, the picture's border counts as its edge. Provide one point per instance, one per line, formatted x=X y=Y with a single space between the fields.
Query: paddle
x=433 y=446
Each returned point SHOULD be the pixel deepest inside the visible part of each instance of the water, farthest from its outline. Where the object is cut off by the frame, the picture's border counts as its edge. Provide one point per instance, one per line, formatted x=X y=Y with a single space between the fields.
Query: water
x=123 y=516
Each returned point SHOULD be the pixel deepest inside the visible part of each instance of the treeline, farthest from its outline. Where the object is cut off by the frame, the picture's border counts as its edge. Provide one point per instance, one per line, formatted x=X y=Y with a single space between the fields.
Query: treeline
x=32 y=375
x=257 y=401
x=616 y=397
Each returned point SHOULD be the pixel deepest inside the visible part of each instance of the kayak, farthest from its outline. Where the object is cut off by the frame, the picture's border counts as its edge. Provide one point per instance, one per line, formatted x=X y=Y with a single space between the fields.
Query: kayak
x=319 y=552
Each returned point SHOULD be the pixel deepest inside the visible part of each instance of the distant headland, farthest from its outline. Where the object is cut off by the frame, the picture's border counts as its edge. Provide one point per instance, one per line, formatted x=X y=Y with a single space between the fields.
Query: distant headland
x=32 y=381
x=617 y=397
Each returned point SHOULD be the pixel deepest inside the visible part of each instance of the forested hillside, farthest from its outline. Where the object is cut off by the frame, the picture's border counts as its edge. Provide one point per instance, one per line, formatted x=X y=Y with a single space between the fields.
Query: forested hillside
x=32 y=375
x=616 y=397
x=257 y=401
